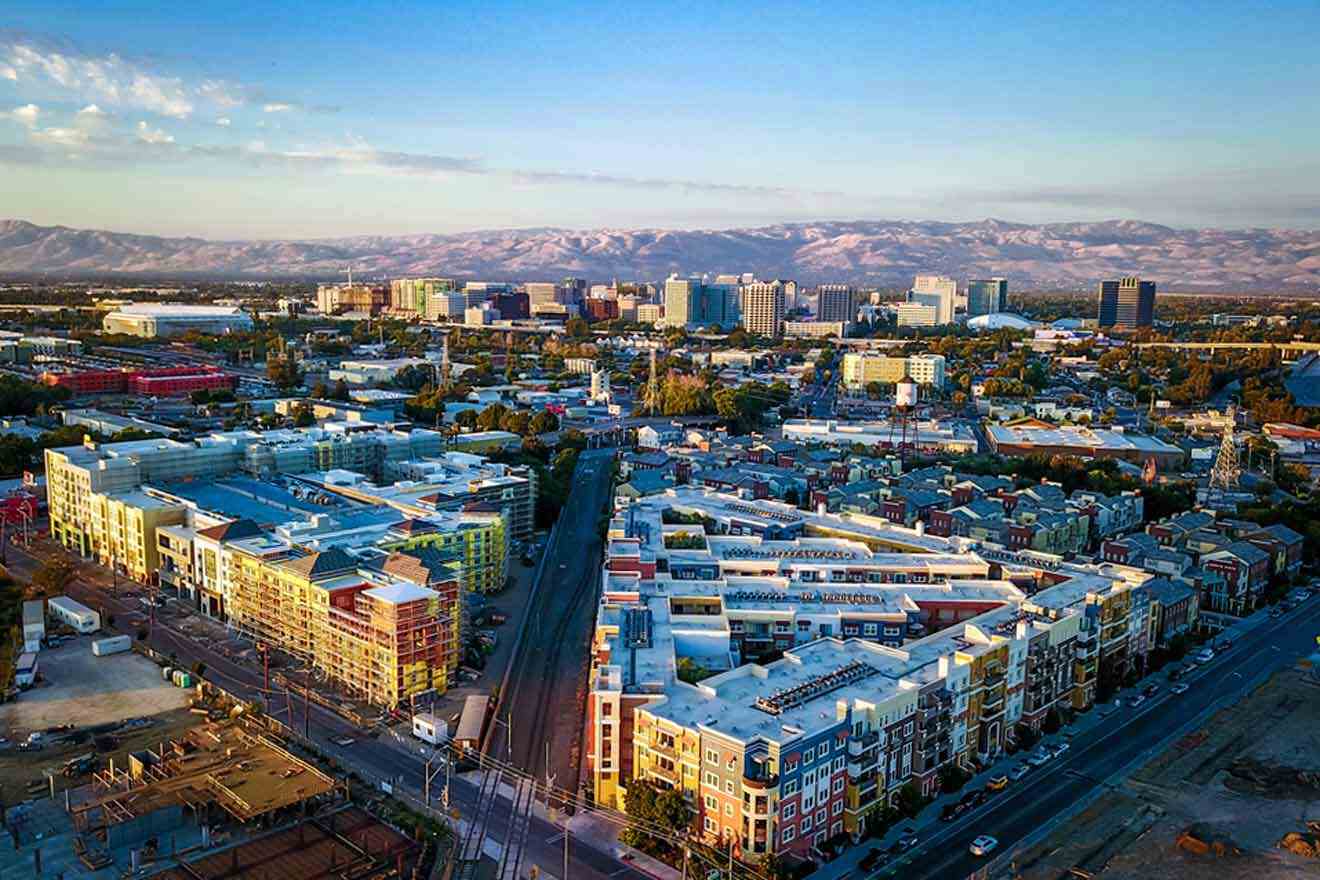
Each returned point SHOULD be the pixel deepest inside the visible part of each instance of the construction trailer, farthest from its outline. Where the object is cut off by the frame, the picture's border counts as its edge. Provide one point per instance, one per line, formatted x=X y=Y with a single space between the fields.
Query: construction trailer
x=75 y=614
x=34 y=625
x=25 y=671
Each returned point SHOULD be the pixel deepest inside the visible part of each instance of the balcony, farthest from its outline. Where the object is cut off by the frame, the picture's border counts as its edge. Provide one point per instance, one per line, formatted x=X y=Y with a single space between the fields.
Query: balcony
x=993 y=679
x=858 y=745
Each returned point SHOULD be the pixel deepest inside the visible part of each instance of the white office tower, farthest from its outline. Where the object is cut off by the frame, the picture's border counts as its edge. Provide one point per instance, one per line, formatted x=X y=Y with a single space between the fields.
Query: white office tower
x=926 y=369
x=937 y=291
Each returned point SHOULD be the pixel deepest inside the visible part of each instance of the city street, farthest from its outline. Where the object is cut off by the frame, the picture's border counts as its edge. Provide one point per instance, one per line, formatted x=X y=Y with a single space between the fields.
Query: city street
x=1099 y=755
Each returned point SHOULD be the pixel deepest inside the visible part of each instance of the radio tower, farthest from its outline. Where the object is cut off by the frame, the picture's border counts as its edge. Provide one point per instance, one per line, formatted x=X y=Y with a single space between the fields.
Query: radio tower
x=653 y=388
x=1224 y=477
x=444 y=362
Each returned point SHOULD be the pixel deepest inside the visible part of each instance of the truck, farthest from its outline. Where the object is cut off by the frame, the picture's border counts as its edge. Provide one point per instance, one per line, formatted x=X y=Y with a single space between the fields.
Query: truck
x=75 y=614
x=430 y=729
x=34 y=625
x=111 y=645
x=25 y=672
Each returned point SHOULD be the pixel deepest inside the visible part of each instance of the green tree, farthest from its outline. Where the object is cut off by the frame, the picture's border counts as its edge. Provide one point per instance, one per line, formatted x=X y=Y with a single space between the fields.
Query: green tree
x=283 y=372
x=654 y=807
x=54 y=575
x=544 y=422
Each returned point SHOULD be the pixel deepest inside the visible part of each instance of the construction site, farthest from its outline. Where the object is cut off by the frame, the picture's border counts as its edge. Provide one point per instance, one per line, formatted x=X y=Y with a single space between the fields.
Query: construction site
x=228 y=798
x=1238 y=799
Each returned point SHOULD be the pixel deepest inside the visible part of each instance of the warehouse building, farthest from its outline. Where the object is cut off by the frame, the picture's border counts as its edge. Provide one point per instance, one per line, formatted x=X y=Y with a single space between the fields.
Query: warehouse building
x=157 y=320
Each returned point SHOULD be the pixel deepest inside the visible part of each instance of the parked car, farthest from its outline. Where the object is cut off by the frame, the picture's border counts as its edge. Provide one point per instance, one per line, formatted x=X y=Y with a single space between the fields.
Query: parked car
x=1205 y=655
x=1060 y=748
x=1039 y=759
x=1019 y=771
x=343 y=740
x=907 y=841
x=1175 y=673
x=983 y=845
x=1150 y=690
x=873 y=859
x=1137 y=701
x=998 y=783
x=952 y=811
x=1180 y=688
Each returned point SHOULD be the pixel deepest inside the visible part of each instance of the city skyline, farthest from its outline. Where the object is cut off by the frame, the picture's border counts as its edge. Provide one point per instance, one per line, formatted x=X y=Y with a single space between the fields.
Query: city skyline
x=446 y=120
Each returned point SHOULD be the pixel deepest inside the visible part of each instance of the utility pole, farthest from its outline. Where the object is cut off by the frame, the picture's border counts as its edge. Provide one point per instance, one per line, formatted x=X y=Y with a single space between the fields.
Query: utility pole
x=307 y=713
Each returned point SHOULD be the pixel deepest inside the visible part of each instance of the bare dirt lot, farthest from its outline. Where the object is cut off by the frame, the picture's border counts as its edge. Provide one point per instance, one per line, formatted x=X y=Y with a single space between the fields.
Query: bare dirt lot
x=82 y=689
x=1216 y=804
x=113 y=704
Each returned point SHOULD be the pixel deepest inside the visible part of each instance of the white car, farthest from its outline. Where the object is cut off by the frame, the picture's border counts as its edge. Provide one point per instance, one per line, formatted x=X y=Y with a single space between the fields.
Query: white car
x=1205 y=655
x=983 y=845
x=1179 y=688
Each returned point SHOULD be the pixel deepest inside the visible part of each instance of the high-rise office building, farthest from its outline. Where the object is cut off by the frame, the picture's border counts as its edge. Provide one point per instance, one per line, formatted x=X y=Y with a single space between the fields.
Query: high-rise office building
x=986 y=296
x=763 y=308
x=574 y=289
x=936 y=291
x=834 y=302
x=691 y=302
x=409 y=295
x=545 y=292
x=1126 y=304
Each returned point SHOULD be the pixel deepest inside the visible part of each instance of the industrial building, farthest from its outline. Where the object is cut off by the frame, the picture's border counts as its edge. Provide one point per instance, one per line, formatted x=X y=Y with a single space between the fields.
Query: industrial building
x=160 y=382
x=159 y=320
x=1035 y=437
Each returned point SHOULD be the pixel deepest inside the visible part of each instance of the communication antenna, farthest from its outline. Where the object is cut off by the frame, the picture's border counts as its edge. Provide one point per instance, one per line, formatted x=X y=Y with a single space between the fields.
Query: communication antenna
x=653 y=387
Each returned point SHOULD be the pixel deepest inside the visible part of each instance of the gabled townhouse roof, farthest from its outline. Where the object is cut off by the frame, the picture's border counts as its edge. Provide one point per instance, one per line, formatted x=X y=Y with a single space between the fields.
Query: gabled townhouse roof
x=1243 y=550
x=1284 y=534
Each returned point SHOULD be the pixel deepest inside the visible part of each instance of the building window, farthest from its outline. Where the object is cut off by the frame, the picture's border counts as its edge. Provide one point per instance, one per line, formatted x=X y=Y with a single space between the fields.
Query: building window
x=711 y=802
x=790 y=810
x=790 y=832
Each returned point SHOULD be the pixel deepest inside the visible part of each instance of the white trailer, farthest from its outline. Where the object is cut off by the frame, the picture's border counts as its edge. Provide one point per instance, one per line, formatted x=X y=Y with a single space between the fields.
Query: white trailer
x=428 y=728
x=25 y=673
x=34 y=625
x=472 y=723
x=111 y=645
x=75 y=614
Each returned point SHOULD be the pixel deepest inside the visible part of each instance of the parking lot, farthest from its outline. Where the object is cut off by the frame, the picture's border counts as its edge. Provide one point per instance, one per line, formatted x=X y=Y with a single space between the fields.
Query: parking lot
x=84 y=690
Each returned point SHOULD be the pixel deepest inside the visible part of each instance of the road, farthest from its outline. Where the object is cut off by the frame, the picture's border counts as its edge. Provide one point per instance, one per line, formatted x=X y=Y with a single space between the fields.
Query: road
x=1106 y=752
x=540 y=723
x=402 y=763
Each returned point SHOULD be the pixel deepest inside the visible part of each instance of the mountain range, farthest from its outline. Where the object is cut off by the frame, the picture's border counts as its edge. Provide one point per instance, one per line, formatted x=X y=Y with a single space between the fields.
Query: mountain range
x=881 y=252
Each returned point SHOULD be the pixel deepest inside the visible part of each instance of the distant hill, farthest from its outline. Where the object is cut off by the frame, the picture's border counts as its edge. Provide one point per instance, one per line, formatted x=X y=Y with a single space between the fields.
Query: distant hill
x=1056 y=255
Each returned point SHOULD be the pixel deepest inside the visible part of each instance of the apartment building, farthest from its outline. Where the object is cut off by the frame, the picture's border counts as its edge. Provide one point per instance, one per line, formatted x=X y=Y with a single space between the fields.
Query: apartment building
x=774 y=759
x=375 y=631
x=763 y=308
x=107 y=501
x=836 y=302
x=860 y=370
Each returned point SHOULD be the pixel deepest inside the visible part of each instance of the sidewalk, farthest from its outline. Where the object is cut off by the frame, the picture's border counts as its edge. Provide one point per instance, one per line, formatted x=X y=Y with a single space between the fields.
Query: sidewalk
x=927 y=822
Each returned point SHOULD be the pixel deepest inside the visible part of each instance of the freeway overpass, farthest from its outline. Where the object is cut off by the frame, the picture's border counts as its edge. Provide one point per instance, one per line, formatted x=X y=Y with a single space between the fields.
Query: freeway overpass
x=1288 y=350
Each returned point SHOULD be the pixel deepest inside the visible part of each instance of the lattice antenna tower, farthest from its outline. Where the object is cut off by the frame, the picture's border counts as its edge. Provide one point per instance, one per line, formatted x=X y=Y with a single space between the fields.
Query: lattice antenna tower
x=1227 y=470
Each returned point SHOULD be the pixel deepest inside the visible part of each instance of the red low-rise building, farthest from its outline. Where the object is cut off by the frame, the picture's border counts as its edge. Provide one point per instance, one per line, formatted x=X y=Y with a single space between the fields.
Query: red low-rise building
x=158 y=383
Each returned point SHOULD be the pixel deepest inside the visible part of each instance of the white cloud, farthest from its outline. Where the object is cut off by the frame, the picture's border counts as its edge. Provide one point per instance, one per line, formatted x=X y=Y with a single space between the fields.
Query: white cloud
x=25 y=115
x=7 y=72
x=149 y=135
x=223 y=121
x=110 y=79
x=221 y=94
x=62 y=137
x=277 y=108
x=91 y=110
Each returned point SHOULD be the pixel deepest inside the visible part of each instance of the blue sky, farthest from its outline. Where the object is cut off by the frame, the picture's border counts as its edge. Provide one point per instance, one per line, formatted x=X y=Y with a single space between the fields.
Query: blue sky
x=335 y=118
